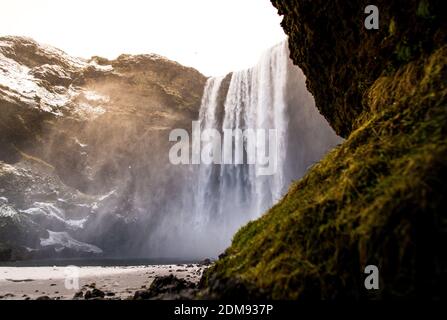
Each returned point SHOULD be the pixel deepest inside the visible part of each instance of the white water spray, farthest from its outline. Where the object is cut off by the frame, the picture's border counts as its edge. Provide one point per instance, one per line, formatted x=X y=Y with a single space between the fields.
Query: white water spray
x=272 y=95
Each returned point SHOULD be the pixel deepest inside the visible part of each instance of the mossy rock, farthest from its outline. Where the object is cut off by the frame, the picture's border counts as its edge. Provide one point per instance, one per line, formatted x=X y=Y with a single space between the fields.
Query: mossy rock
x=379 y=199
x=341 y=58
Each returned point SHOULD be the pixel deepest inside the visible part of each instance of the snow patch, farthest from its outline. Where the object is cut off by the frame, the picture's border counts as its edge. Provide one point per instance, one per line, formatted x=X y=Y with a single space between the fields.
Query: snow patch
x=108 y=195
x=63 y=240
x=7 y=211
x=51 y=211
x=24 y=87
x=103 y=68
x=9 y=169
x=82 y=145
x=86 y=110
x=95 y=97
x=79 y=224
x=52 y=51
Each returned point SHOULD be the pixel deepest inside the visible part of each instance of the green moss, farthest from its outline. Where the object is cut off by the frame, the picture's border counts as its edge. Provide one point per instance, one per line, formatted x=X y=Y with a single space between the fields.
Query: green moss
x=327 y=41
x=392 y=27
x=423 y=9
x=403 y=52
x=376 y=199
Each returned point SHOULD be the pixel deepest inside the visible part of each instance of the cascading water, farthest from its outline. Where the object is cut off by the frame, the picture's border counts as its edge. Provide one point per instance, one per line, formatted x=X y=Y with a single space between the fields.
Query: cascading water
x=272 y=95
x=117 y=190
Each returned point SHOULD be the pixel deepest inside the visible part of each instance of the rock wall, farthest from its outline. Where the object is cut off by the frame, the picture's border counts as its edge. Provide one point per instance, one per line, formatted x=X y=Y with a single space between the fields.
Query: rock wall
x=84 y=140
x=342 y=59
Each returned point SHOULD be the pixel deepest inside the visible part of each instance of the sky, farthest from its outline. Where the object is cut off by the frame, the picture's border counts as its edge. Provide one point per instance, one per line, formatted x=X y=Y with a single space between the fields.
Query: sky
x=213 y=36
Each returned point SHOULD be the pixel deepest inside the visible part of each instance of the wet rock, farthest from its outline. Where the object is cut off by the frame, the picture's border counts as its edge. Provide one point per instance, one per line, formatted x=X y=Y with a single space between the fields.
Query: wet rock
x=142 y=295
x=88 y=295
x=43 y=298
x=187 y=294
x=94 y=294
x=230 y=288
x=78 y=295
x=206 y=262
x=167 y=288
x=223 y=255
x=98 y=293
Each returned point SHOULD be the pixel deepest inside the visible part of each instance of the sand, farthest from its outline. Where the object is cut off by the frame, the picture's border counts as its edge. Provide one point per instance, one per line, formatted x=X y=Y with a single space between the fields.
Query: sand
x=24 y=283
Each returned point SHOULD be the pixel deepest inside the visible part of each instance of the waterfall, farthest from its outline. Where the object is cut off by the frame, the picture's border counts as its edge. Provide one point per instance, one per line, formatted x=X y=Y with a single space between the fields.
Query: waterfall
x=271 y=95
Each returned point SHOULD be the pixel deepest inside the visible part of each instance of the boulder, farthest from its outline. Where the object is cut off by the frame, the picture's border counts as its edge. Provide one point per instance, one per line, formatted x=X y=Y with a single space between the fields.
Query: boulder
x=167 y=287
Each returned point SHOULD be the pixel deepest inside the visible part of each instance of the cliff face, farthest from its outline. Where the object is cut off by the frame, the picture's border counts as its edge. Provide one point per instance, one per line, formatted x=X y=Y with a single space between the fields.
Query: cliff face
x=81 y=140
x=379 y=197
x=342 y=59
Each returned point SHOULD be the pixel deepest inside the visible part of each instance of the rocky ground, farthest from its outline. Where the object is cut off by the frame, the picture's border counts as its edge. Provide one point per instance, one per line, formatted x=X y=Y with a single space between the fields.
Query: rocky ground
x=133 y=282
